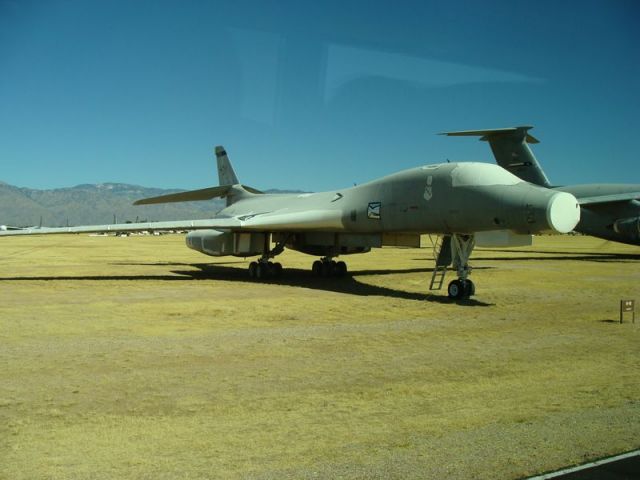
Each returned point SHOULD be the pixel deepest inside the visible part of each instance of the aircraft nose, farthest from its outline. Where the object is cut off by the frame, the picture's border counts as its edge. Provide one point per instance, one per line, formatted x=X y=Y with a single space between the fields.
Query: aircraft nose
x=563 y=212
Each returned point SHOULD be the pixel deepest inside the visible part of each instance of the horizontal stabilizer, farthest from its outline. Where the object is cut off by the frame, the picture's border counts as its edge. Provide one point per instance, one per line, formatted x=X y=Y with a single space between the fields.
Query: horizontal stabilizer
x=190 y=196
x=485 y=135
x=194 y=195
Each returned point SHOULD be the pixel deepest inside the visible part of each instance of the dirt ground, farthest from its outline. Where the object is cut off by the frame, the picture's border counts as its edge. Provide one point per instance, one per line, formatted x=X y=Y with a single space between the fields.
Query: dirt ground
x=138 y=358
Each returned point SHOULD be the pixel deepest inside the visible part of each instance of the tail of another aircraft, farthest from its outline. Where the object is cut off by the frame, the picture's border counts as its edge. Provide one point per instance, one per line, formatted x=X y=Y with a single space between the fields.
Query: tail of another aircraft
x=511 y=150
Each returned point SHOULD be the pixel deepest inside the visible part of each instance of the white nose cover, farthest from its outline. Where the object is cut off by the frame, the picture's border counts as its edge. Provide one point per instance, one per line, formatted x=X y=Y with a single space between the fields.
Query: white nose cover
x=563 y=212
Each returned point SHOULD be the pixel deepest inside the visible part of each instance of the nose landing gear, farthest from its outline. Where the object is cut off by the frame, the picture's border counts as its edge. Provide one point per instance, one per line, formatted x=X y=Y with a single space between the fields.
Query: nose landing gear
x=459 y=289
x=461 y=248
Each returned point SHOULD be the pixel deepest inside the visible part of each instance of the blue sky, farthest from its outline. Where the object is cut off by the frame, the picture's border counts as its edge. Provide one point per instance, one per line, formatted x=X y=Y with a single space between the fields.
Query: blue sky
x=312 y=95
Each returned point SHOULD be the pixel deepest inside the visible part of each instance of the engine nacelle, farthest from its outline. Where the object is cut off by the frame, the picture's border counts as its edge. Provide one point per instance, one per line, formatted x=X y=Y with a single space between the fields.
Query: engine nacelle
x=322 y=244
x=220 y=244
x=627 y=226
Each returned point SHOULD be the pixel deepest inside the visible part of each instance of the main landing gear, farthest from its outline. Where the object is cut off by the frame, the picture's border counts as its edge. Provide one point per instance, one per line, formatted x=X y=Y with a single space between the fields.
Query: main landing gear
x=326 y=267
x=264 y=268
x=461 y=248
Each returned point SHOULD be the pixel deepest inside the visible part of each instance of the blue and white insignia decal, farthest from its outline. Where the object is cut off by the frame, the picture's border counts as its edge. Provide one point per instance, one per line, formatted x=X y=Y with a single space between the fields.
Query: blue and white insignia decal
x=373 y=210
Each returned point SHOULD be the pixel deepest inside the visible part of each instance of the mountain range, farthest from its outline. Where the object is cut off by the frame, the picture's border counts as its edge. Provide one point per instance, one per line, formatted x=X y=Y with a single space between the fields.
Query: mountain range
x=97 y=204
x=93 y=204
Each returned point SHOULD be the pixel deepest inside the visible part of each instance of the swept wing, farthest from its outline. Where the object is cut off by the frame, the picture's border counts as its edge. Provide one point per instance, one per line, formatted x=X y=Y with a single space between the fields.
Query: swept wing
x=268 y=221
x=604 y=199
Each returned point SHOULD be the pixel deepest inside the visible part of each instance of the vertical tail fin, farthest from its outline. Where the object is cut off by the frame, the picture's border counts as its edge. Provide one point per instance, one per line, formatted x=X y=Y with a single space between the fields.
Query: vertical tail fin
x=226 y=175
x=511 y=150
x=227 y=178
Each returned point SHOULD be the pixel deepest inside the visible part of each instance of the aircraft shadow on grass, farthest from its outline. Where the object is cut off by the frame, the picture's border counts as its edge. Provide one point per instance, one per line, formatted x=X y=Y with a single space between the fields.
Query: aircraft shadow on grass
x=296 y=277
x=293 y=277
x=555 y=256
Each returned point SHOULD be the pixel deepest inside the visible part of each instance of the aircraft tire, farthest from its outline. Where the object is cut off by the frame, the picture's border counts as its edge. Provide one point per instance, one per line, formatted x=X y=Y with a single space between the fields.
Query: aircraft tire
x=455 y=290
x=276 y=269
x=327 y=269
x=253 y=266
x=262 y=271
x=316 y=268
x=340 y=269
x=470 y=288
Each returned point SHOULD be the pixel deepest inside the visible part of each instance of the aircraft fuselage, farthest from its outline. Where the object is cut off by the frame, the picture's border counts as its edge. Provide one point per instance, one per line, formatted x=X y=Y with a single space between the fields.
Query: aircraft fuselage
x=444 y=198
x=615 y=221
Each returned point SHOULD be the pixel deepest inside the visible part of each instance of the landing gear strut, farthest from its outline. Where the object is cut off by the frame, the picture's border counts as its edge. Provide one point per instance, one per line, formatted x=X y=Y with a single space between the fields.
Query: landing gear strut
x=461 y=248
x=326 y=267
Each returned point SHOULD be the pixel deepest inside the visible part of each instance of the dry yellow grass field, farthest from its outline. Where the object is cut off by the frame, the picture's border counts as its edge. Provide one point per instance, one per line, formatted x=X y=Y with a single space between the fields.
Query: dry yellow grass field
x=123 y=358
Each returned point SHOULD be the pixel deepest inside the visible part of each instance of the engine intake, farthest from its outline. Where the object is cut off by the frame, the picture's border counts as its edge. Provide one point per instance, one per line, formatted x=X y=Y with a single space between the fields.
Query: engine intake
x=627 y=226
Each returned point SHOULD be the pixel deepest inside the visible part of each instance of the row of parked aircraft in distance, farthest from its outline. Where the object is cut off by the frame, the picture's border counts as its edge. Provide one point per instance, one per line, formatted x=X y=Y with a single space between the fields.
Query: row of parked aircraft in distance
x=466 y=204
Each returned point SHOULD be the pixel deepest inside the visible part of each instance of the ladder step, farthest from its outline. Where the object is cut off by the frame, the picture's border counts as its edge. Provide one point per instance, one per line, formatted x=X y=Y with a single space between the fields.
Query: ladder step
x=437 y=279
x=442 y=254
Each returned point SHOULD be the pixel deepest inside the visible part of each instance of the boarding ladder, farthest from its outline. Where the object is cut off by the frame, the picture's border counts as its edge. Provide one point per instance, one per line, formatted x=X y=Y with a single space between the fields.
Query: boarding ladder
x=442 y=255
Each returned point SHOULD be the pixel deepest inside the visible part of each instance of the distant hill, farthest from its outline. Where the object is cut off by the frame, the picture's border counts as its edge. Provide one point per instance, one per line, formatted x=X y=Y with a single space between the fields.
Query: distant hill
x=94 y=204
x=97 y=204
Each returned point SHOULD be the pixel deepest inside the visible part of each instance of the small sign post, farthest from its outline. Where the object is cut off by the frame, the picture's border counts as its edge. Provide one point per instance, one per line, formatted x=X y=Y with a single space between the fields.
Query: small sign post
x=628 y=306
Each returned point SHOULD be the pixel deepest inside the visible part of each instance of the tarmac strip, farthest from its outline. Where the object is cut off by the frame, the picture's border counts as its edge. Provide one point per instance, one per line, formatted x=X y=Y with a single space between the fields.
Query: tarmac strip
x=624 y=466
